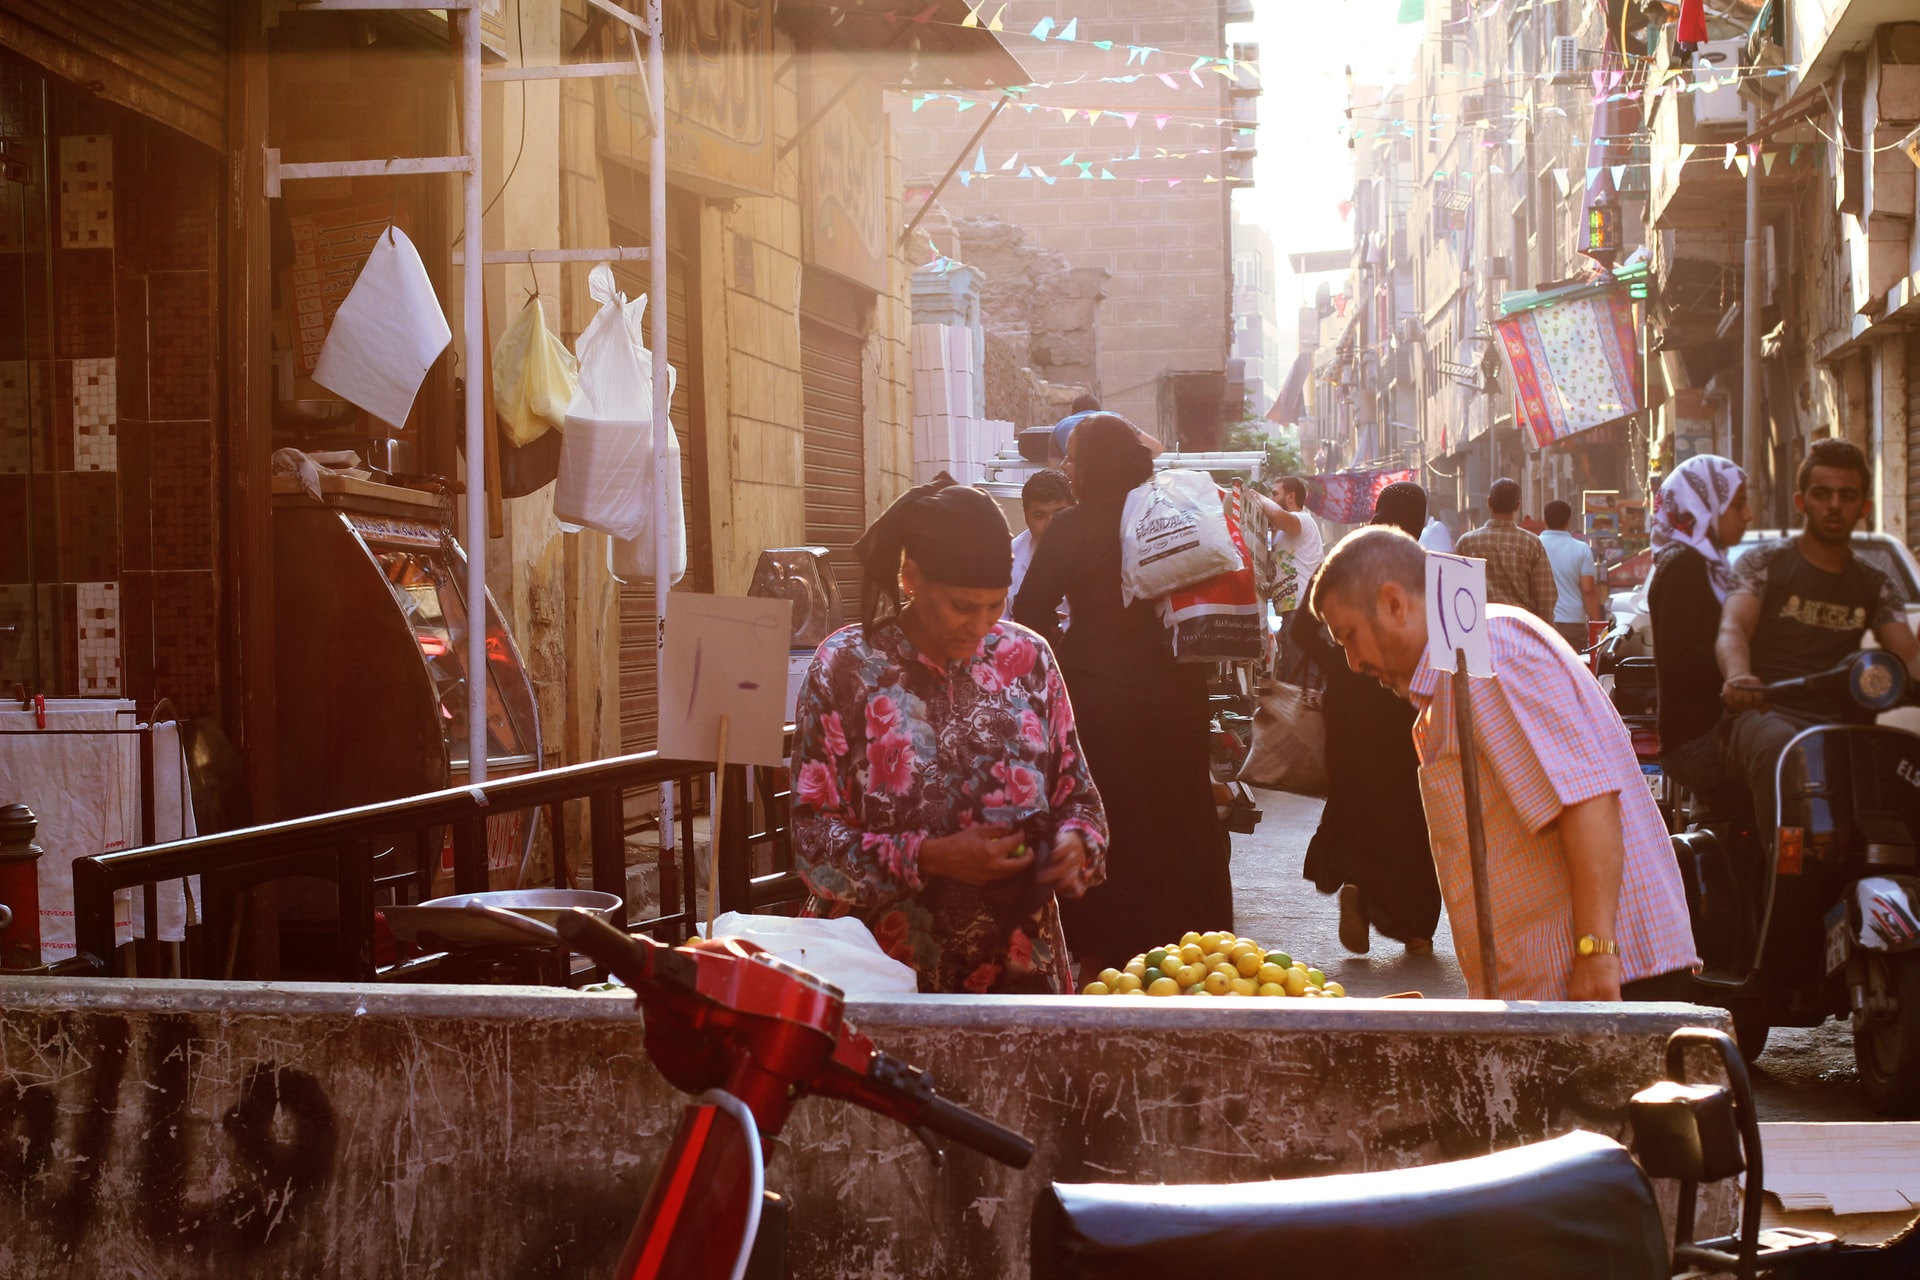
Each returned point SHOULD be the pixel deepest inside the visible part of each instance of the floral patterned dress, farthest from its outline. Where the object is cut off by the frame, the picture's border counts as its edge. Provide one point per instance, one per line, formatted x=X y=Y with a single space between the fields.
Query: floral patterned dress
x=893 y=748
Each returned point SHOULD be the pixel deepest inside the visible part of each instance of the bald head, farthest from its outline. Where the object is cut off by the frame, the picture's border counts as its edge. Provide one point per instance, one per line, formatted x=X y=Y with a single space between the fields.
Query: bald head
x=1363 y=562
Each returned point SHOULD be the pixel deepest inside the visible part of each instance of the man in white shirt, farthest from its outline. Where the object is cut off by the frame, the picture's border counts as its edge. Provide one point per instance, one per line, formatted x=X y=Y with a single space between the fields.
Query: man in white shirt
x=1574 y=577
x=1045 y=495
x=1436 y=536
x=1297 y=552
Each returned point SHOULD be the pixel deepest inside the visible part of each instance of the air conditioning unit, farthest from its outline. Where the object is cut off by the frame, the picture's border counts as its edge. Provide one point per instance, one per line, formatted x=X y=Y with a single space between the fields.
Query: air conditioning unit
x=1563 y=60
x=1717 y=60
x=1497 y=267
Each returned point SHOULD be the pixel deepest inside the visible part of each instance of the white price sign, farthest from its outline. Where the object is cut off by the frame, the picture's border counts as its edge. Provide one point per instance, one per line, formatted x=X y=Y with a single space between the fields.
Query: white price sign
x=1457 y=612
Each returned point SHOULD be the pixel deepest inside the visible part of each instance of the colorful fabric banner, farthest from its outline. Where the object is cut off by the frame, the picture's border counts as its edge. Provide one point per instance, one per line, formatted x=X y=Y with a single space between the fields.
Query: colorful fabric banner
x=1575 y=364
x=1347 y=497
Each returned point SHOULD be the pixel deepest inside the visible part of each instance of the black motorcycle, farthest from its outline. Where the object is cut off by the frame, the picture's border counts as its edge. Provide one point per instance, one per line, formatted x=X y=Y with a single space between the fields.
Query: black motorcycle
x=1575 y=1207
x=1825 y=927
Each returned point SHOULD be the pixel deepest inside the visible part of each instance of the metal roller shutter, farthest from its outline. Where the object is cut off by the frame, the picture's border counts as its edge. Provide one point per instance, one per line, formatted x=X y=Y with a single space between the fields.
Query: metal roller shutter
x=639 y=690
x=166 y=59
x=836 y=450
x=1913 y=437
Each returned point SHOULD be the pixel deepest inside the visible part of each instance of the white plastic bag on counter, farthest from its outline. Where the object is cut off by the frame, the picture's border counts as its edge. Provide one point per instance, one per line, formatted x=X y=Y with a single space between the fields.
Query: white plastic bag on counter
x=1173 y=534
x=606 y=457
x=841 y=951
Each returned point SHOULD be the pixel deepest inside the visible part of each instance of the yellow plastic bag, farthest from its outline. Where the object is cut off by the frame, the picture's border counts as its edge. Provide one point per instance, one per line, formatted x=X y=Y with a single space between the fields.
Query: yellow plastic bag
x=534 y=377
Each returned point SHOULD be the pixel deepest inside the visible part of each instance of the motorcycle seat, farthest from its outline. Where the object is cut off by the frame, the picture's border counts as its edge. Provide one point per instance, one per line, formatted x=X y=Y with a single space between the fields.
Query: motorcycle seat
x=1573 y=1207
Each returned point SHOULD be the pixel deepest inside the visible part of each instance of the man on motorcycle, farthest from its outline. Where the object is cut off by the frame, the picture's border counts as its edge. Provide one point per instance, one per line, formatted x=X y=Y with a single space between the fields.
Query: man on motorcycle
x=1799 y=606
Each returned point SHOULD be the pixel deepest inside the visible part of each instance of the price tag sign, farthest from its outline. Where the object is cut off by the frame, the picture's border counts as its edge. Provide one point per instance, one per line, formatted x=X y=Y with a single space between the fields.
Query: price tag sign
x=1457 y=612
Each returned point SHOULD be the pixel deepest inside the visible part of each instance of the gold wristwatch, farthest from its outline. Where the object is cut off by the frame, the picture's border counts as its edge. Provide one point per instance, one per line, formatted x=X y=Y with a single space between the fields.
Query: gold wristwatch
x=1588 y=945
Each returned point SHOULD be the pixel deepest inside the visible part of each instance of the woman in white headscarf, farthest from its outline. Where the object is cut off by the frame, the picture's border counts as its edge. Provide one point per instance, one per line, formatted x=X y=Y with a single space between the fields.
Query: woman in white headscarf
x=1700 y=511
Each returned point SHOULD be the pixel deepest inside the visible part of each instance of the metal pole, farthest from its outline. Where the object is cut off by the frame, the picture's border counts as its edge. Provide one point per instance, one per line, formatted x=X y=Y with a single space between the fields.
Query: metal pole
x=473 y=287
x=1753 y=450
x=1476 y=832
x=663 y=490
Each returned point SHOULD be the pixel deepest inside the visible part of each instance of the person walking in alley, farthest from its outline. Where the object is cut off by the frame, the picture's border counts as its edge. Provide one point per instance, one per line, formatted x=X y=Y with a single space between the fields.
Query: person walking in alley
x=1142 y=717
x=1518 y=571
x=934 y=756
x=1575 y=577
x=1371 y=845
x=1045 y=495
x=1586 y=896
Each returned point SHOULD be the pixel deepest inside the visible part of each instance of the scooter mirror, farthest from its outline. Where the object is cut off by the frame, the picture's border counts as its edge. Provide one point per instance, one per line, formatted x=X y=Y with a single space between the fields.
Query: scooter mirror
x=1877 y=680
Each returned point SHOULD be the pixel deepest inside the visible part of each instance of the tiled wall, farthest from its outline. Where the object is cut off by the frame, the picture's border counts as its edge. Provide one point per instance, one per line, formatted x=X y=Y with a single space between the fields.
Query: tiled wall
x=109 y=511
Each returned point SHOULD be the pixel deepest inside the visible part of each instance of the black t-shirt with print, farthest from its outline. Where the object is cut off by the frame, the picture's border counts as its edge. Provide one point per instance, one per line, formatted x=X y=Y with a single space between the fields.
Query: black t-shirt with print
x=1810 y=619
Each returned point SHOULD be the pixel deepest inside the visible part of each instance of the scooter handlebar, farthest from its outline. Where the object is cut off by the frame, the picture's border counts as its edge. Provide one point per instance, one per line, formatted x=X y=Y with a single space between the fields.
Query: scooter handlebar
x=637 y=962
x=970 y=1129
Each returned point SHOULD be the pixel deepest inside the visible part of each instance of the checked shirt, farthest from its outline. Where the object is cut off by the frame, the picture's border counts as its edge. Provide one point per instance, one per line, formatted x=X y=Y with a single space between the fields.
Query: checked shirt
x=1547 y=738
x=1519 y=572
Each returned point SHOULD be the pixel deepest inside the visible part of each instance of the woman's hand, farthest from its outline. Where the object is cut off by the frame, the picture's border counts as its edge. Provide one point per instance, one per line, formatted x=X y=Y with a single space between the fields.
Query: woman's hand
x=976 y=855
x=1066 y=870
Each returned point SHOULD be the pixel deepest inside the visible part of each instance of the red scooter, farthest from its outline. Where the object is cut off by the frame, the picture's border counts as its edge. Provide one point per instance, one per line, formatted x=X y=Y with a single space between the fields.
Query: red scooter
x=749 y=1035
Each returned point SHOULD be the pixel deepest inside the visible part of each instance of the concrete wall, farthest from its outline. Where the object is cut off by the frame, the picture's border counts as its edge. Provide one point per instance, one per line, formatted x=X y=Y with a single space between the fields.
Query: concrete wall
x=218 y=1129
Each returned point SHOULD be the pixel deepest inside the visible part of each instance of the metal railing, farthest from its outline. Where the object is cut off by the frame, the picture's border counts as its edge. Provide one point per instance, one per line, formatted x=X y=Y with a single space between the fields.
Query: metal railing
x=341 y=848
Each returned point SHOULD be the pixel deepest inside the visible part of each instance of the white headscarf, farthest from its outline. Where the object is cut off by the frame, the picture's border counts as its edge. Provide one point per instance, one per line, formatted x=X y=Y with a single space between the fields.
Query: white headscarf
x=1687 y=510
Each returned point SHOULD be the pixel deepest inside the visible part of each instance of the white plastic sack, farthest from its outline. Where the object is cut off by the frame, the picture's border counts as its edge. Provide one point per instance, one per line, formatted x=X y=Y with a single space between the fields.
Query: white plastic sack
x=1173 y=534
x=606 y=458
x=535 y=377
x=841 y=951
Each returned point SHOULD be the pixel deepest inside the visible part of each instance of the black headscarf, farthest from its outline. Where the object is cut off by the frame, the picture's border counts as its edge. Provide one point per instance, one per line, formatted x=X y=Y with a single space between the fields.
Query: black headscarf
x=1403 y=505
x=1110 y=460
x=956 y=534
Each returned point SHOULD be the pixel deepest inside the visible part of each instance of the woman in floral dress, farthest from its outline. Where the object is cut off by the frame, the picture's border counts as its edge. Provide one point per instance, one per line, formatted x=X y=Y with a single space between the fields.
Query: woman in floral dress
x=939 y=790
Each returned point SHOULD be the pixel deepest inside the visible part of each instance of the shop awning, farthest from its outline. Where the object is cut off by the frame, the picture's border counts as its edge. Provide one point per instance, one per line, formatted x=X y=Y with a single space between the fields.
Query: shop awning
x=913 y=44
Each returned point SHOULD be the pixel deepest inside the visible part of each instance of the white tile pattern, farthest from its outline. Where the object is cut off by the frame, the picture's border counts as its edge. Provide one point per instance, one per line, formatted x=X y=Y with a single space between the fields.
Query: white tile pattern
x=95 y=415
x=97 y=605
x=86 y=191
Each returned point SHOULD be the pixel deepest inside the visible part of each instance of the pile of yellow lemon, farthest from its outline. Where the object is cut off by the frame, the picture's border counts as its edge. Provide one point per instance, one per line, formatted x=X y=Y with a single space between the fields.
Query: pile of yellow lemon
x=1214 y=964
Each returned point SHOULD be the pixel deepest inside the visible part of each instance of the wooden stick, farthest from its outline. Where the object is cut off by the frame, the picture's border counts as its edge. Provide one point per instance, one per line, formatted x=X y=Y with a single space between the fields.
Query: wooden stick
x=713 y=834
x=1476 y=831
x=483 y=368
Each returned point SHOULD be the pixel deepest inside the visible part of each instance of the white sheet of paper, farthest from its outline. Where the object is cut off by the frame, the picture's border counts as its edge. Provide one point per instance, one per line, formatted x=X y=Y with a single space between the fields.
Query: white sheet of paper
x=725 y=655
x=386 y=334
x=1457 y=612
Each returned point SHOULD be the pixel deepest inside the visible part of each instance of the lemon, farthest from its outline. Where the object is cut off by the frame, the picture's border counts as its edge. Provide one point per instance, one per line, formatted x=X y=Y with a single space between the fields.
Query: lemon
x=1210 y=943
x=1192 y=953
x=1334 y=989
x=1243 y=986
x=1096 y=989
x=1216 y=983
x=1316 y=977
x=1272 y=989
x=1296 y=982
x=1155 y=956
x=1192 y=975
x=1189 y=939
x=1279 y=959
x=1195 y=990
x=1248 y=963
x=1164 y=987
x=1268 y=973
x=1135 y=992
x=1129 y=982
x=1138 y=968
x=1110 y=976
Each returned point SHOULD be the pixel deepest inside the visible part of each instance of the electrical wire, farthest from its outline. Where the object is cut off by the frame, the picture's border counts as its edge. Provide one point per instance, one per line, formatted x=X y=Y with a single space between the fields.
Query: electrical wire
x=520 y=43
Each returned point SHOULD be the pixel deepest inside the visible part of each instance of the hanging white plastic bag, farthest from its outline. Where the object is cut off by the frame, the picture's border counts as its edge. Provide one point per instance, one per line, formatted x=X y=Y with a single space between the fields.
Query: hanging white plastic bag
x=606 y=458
x=1173 y=534
x=535 y=377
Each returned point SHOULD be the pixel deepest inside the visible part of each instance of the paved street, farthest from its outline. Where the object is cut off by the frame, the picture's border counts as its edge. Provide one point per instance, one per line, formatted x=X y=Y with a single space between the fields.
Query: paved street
x=1806 y=1074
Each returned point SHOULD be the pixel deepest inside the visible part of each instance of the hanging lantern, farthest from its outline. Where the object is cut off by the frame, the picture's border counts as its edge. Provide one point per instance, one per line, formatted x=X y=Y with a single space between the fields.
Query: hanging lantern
x=1601 y=239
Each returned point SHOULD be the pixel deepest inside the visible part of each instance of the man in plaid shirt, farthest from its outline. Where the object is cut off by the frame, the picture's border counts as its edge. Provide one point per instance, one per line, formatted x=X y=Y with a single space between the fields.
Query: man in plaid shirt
x=1518 y=570
x=1586 y=896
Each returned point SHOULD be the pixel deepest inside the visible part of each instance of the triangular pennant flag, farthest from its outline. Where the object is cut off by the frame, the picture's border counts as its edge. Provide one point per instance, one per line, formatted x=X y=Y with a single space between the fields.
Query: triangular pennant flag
x=922 y=101
x=980 y=161
x=1167 y=80
x=1012 y=160
x=973 y=15
x=1766 y=161
x=1793 y=156
x=1094 y=114
x=1753 y=151
x=1174 y=182
x=1069 y=160
x=1130 y=117
x=1686 y=152
x=966 y=179
x=995 y=24
x=1103 y=45
x=1209 y=178
x=1067 y=114
x=966 y=104
x=1041 y=28
x=1562 y=180
x=1048 y=178
x=1728 y=162
x=1593 y=175
x=1136 y=152
x=1619 y=172
x=1161 y=121
x=1740 y=163
x=1106 y=175
x=1599 y=83
x=1069 y=31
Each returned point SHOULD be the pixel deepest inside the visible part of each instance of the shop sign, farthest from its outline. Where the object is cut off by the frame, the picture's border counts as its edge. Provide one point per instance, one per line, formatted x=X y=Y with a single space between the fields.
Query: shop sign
x=843 y=163
x=719 y=91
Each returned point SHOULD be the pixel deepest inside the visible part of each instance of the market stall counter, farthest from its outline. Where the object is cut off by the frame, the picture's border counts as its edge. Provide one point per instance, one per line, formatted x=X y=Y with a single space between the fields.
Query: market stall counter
x=378 y=1131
